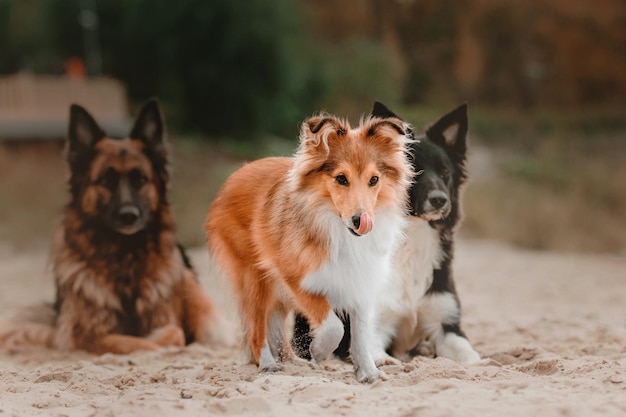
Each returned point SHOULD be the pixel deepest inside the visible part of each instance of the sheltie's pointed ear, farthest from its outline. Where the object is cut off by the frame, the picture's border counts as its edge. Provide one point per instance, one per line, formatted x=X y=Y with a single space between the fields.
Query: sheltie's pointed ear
x=319 y=130
x=450 y=131
x=83 y=133
x=381 y=111
x=150 y=126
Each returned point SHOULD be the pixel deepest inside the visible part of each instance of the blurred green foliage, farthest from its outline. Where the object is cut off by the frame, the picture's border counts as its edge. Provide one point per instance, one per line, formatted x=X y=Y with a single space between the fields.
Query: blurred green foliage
x=221 y=68
x=256 y=68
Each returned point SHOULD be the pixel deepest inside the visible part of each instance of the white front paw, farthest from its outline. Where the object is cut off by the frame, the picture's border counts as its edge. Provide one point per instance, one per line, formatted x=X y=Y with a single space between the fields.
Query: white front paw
x=468 y=357
x=458 y=349
x=367 y=375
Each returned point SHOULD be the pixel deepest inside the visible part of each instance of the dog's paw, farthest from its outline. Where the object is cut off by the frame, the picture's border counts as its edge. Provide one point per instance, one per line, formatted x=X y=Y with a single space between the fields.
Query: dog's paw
x=369 y=376
x=270 y=367
x=386 y=360
x=458 y=349
x=367 y=373
x=169 y=335
x=468 y=357
x=425 y=348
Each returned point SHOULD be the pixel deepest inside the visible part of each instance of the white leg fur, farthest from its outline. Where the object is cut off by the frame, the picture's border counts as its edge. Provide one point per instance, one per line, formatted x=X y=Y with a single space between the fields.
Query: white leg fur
x=267 y=363
x=326 y=337
x=439 y=309
x=361 y=329
x=380 y=341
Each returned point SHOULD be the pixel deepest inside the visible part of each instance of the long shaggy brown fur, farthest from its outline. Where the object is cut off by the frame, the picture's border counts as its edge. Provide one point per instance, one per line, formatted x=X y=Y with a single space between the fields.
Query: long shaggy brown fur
x=122 y=281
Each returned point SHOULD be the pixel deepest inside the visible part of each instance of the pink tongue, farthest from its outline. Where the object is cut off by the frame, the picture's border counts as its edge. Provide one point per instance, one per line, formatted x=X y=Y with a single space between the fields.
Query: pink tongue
x=366 y=225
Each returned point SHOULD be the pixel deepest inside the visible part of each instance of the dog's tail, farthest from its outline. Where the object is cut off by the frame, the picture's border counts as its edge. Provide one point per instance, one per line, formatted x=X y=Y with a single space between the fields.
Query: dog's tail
x=31 y=326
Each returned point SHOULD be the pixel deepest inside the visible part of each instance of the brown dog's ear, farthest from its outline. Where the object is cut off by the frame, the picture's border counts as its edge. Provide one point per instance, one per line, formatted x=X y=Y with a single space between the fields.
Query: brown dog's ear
x=150 y=125
x=316 y=123
x=450 y=131
x=83 y=133
x=150 y=129
x=320 y=129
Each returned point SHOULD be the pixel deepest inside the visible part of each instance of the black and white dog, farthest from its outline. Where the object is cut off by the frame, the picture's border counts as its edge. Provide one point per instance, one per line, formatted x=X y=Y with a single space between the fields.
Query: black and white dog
x=419 y=313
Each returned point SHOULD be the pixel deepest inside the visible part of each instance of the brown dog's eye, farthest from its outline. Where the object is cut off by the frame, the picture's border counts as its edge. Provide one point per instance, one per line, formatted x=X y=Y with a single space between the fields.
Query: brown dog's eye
x=109 y=179
x=137 y=178
x=341 y=180
x=373 y=181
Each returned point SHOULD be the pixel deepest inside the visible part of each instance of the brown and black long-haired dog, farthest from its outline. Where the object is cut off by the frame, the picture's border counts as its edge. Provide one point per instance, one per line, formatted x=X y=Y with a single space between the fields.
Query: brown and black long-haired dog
x=123 y=283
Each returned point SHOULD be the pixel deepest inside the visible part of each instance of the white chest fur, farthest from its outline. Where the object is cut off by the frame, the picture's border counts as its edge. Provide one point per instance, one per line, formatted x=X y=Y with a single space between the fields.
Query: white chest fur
x=358 y=266
x=412 y=272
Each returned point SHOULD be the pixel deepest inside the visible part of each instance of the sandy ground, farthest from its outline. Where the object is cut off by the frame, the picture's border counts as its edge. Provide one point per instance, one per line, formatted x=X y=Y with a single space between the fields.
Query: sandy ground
x=550 y=327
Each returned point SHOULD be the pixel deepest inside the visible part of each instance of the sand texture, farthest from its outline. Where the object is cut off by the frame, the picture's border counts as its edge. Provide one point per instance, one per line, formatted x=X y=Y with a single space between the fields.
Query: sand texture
x=551 y=329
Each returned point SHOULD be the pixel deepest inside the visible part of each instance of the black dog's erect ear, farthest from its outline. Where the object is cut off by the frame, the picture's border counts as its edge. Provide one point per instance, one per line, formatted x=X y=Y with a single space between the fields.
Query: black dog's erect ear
x=451 y=130
x=150 y=126
x=83 y=133
x=380 y=110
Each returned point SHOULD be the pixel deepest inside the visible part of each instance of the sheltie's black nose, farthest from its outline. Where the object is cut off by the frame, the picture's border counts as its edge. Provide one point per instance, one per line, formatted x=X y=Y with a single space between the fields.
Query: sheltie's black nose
x=437 y=199
x=128 y=215
x=356 y=221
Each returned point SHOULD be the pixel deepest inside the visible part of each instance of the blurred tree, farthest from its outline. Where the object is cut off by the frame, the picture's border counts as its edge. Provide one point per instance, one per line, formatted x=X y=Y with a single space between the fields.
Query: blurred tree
x=24 y=38
x=354 y=62
x=220 y=66
x=230 y=64
x=260 y=66
x=427 y=32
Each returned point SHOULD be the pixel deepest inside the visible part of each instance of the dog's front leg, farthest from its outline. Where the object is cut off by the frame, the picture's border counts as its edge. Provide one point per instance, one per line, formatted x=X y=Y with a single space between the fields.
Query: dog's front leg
x=361 y=328
x=326 y=337
x=121 y=344
x=385 y=329
x=277 y=339
x=169 y=335
x=328 y=328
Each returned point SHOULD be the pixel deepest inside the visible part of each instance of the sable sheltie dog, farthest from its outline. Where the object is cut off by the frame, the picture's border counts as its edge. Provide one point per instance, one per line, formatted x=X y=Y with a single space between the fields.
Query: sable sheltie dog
x=419 y=311
x=122 y=281
x=316 y=233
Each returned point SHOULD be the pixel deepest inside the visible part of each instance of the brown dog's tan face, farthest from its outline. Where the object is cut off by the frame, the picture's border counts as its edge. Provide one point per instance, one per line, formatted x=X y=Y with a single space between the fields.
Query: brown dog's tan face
x=121 y=186
x=114 y=181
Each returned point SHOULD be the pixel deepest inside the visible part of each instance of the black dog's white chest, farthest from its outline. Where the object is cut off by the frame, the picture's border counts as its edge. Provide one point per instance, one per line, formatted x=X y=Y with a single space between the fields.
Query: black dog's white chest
x=417 y=258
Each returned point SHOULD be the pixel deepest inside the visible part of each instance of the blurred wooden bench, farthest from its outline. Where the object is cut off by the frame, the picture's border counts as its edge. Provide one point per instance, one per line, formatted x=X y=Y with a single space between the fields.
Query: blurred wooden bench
x=37 y=106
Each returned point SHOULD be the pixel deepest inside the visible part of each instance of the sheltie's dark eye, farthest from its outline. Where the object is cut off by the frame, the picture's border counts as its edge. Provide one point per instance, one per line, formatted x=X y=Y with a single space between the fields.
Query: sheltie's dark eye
x=341 y=180
x=444 y=174
x=373 y=181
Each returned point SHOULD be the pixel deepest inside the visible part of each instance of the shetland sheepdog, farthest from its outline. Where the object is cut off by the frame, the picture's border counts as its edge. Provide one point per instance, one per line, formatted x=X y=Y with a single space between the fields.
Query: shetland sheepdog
x=315 y=233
